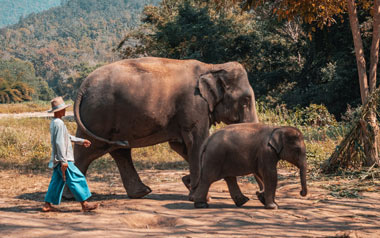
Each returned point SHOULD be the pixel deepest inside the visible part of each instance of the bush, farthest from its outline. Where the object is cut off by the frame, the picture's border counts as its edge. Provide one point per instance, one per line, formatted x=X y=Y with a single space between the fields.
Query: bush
x=315 y=115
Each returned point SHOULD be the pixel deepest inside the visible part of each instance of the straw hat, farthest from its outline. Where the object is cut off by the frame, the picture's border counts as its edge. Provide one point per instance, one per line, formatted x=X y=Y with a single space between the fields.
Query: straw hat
x=57 y=104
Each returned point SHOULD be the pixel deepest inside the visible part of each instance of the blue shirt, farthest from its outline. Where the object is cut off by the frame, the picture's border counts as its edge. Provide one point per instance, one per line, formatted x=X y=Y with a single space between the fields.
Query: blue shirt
x=62 y=150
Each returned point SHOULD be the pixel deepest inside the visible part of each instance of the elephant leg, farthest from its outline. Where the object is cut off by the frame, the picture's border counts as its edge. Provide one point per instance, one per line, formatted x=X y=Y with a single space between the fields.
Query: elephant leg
x=235 y=191
x=133 y=185
x=193 y=145
x=260 y=194
x=180 y=148
x=201 y=193
x=270 y=185
x=84 y=156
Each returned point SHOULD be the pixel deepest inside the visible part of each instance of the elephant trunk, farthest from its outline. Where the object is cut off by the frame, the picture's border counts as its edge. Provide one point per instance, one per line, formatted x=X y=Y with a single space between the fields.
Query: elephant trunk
x=303 y=169
x=250 y=113
x=253 y=110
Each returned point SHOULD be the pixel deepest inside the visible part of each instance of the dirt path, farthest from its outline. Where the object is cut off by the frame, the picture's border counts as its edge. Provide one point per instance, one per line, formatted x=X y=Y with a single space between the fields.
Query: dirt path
x=167 y=213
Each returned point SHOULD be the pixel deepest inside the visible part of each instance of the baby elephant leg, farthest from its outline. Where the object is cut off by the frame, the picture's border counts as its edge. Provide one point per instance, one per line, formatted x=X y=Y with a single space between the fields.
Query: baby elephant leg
x=270 y=184
x=200 y=194
x=235 y=192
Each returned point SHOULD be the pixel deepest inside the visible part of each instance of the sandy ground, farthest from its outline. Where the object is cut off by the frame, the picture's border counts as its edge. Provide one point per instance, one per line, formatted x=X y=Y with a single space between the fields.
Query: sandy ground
x=167 y=213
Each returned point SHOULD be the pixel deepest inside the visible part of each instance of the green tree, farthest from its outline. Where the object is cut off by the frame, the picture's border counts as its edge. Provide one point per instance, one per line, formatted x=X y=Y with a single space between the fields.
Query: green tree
x=68 y=88
x=269 y=50
x=19 y=82
x=57 y=40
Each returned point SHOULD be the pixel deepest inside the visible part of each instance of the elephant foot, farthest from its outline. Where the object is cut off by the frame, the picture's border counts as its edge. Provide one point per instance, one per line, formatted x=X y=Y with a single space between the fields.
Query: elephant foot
x=139 y=193
x=191 y=197
x=271 y=206
x=260 y=196
x=240 y=201
x=201 y=205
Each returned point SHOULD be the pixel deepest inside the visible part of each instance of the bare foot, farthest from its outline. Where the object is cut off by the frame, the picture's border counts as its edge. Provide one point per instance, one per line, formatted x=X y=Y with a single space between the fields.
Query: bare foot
x=49 y=208
x=86 y=207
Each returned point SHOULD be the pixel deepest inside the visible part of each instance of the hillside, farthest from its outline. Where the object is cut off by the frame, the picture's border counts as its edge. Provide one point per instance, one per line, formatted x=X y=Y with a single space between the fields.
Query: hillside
x=12 y=10
x=78 y=32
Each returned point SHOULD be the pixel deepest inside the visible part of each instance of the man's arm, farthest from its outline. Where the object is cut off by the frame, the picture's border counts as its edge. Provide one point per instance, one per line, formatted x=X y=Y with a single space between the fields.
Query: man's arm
x=76 y=140
x=80 y=141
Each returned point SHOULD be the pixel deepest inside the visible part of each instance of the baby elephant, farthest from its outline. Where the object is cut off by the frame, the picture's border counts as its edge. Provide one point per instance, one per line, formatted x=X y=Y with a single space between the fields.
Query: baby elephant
x=247 y=148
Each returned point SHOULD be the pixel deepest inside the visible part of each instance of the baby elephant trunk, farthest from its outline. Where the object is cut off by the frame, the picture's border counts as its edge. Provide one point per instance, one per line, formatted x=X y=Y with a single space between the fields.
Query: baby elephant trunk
x=303 y=169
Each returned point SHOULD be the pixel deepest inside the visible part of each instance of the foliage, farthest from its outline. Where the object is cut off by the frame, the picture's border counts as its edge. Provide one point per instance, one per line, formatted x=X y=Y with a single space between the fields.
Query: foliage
x=269 y=50
x=19 y=83
x=14 y=92
x=284 y=65
x=329 y=75
x=68 y=88
x=320 y=12
x=76 y=32
x=184 y=30
x=12 y=10
x=315 y=115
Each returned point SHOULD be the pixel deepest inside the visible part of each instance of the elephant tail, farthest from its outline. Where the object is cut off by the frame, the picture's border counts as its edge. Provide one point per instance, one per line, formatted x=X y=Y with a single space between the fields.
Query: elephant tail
x=79 y=121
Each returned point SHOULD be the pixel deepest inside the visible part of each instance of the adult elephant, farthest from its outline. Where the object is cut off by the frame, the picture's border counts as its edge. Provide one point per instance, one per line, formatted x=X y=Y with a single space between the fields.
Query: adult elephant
x=142 y=102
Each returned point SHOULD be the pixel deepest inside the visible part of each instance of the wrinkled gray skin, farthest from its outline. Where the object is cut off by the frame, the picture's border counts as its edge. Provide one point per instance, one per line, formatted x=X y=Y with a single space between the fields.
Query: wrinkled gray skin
x=249 y=148
x=142 y=102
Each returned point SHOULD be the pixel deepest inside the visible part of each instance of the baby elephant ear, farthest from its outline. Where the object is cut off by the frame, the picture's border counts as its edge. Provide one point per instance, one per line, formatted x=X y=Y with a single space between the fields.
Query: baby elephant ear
x=211 y=89
x=275 y=140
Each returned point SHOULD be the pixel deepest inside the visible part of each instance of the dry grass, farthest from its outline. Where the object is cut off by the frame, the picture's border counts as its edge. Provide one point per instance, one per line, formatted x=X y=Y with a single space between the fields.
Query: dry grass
x=35 y=106
x=25 y=145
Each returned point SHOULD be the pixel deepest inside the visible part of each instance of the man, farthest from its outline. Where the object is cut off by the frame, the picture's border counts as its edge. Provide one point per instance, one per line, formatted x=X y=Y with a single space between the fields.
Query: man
x=62 y=160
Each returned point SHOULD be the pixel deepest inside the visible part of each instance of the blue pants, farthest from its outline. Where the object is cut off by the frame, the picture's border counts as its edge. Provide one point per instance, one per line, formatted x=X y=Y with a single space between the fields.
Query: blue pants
x=75 y=180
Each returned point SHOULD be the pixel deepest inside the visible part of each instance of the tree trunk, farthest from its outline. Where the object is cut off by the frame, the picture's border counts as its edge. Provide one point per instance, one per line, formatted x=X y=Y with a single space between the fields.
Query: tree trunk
x=375 y=46
x=373 y=157
x=370 y=147
x=359 y=52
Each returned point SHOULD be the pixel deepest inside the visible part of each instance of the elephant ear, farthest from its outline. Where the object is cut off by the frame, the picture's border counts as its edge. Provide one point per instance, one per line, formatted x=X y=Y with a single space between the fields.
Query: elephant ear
x=275 y=140
x=211 y=88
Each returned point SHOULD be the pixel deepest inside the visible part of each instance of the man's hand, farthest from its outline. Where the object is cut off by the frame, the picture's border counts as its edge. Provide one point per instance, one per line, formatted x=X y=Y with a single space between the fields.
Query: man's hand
x=86 y=143
x=63 y=169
